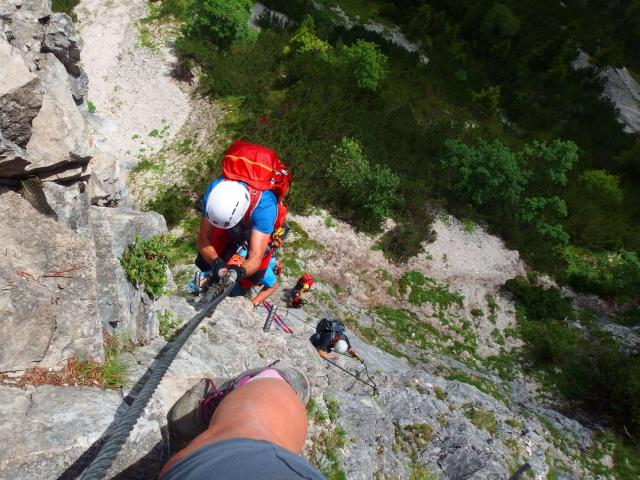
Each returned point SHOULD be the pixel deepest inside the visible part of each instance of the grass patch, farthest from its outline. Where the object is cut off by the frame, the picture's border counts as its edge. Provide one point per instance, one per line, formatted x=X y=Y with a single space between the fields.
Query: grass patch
x=145 y=263
x=422 y=289
x=91 y=108
x=407 y=328
x=79 y=371
x=482 y=419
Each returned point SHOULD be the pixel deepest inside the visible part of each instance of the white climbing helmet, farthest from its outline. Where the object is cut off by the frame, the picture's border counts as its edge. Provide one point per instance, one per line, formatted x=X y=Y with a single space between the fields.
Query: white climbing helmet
x=227 y=203
x=341 y=346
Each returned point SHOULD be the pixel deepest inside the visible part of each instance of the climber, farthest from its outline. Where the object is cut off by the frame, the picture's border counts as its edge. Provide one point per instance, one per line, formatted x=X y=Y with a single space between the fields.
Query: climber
x=269 y=281
x=330 y=336
x=253 y=426
x=304 y=284
x=242 y=208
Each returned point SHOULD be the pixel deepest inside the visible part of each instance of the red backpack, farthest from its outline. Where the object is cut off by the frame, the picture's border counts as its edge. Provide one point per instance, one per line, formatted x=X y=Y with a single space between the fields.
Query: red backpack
x=261 y=169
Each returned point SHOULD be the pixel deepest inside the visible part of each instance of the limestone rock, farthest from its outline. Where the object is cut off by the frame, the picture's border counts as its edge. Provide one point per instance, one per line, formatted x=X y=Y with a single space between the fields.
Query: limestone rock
x=52 y=427
x=20 y=95
x=13 y=159
x=70 y=203
x=25 y=31
x=45 y=319
x=62 y=40
x=105 y=186
x=624 y=92
x=40 y=7
x=79 y=85
x=120 y=304
x=67 y=173
x=60 y=135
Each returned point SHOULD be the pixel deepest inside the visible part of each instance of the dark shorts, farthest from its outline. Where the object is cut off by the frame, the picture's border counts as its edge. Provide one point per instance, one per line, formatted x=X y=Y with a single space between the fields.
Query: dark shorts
x=242 y=459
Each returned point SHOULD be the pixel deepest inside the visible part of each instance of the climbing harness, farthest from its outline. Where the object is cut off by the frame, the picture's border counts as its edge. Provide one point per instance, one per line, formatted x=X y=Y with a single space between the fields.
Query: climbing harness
x=369 y=382
x=107 y=454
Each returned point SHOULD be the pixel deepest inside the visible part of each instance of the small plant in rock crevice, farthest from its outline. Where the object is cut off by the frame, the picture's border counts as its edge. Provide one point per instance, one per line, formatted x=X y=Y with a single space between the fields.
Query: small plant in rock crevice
x=145 y=263
x=168 y=325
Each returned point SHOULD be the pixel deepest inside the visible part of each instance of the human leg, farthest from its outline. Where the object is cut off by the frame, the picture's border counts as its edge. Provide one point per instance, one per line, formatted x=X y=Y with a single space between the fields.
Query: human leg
x=261 y=409
x=264 y=294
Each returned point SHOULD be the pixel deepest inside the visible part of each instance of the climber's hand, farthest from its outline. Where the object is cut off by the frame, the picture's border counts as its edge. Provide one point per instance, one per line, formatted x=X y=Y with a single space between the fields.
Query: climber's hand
x=241 y=272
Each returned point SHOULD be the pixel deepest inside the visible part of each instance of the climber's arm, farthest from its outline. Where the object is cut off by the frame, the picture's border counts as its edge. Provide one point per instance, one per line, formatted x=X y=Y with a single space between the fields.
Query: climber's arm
x=205 y=247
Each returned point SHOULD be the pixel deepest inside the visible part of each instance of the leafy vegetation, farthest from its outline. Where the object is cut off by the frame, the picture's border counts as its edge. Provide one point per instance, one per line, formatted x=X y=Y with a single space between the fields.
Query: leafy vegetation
x=587 y=367
x=218 y=21
x=422 y=289
x=145 y=263
x=65 y=6
x=172 y=203
x=168 y=325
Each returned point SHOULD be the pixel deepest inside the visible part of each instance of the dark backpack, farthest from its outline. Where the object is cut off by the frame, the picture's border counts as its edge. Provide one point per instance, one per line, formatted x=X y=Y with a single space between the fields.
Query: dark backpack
x=334 y=327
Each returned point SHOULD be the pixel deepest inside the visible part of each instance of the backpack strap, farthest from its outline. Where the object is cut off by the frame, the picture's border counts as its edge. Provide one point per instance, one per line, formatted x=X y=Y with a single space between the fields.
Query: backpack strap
x=254 y=198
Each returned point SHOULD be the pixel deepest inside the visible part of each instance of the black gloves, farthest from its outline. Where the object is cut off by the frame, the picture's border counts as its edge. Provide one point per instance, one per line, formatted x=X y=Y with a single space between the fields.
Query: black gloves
x=217 y=264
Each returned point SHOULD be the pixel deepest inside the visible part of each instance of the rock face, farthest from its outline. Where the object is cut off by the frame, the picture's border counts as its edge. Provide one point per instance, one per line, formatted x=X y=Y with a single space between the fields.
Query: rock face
x=46 y=318
x=13 y=159
x=62 y=40
x=105 y=186
x=20 y=95
x=60 y=136
x=120 y=304
x=624 y=92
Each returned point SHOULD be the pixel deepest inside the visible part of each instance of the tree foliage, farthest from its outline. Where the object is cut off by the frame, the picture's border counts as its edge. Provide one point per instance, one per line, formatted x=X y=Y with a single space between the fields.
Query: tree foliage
x=366 y=63
x=222 y=22
x=484 y=173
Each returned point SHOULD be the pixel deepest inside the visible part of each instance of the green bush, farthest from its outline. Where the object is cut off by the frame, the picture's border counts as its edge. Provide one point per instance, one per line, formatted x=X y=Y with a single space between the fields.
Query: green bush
x=405 y=240
x=366 y=63
x=65 y=6
x=145 y=263
x=612 y=274
x=171 y=203
x=485 y=172
x=545 y=214
x=586 y=366
x=222 y=22
x=348 y=166
x=371 y=189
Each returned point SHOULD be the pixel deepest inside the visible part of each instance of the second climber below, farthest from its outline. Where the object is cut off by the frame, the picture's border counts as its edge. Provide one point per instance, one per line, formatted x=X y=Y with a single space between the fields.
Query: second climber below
x=241 y=209
x=330 y=337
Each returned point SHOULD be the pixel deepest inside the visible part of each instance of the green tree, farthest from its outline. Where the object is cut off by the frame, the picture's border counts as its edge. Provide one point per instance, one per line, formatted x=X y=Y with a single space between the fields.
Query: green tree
x=348 y=165
x=484 y=173
x=305 y=41
x=500 y=22
x=550 y=161
x=367 y=64
x=544 y=214
x=223 y=22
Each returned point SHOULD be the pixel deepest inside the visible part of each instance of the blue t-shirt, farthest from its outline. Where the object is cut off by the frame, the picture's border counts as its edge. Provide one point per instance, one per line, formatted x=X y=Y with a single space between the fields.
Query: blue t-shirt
x=263 y=216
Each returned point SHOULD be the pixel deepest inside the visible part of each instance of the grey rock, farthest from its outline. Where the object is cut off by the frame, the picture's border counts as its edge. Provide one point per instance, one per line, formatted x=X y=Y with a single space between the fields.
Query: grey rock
x=67 y=172
x=45 y=319
x=63 y=41
x=25 y=31
x=52 y=427
x=20 y=95
x=79 y=85
x=13 y=159
x=60 y=135
x=40 y=7
x=624 y=92
x=70 y=203
x=105 y=186
x=122 y=306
